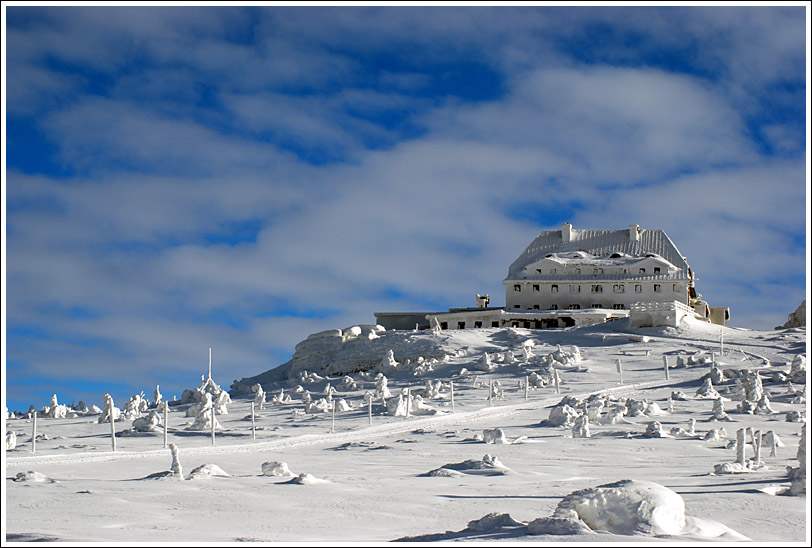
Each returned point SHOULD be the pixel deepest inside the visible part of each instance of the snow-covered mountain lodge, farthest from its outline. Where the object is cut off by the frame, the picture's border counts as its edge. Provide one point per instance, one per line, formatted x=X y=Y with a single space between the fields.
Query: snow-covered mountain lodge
x=580 y=276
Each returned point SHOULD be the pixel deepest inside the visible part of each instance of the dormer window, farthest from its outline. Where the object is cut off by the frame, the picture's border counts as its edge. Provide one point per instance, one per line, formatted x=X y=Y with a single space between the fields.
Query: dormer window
x=642 y=271
x=656 y=269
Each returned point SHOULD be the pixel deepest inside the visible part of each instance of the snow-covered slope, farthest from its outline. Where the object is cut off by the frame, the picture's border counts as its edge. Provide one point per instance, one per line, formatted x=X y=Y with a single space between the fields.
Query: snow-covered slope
x=550 y=435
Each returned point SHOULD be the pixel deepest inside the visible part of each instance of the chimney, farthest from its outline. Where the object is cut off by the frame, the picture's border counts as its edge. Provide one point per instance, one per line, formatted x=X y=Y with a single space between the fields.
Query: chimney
x=634 y=233
x=566 y=233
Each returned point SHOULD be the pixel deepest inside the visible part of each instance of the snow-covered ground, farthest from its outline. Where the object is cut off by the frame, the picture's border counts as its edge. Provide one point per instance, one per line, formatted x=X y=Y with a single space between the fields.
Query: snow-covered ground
x=433 y=475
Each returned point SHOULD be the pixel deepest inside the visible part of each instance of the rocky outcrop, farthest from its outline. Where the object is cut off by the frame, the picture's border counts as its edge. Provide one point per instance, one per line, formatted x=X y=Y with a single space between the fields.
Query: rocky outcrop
x=797 y=318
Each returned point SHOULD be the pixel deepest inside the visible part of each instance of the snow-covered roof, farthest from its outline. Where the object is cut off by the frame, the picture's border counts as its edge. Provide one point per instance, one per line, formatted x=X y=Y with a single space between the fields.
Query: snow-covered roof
x=601 y=245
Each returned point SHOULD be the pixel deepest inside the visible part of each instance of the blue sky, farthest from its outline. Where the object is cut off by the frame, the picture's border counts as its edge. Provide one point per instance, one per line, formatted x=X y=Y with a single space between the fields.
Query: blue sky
x=179 y=178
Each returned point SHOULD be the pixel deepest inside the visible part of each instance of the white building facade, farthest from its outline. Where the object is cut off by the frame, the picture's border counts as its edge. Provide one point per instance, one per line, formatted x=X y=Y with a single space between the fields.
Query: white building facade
x=571 y=269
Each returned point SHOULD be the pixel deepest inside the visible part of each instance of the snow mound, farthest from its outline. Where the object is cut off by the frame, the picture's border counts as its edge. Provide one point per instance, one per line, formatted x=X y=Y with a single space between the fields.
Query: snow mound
x=306 y=479
x=489 y=466
x=206 y=471
x=34 y=477
x=492 y=521
x=635 y=507
x=276 y=468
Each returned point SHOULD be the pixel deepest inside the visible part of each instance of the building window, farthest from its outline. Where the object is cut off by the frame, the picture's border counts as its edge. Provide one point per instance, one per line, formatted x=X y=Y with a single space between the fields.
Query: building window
x=577 y=270
x=477 y=324
x=575 y=288
x=536 y=307
x=638 y=288
x=460 y=325
x=676 y=288
x=642 y=271
x=618 y=288
x=538 y=270
x=597 y=288
x=552 y=271
x=444 y=325
x=656 y=269
x=517 y=288
x=597 y=306
x=573 y=307
x=656 y=288
x=618 y=307
x=624 y=271
x=516 y=306
x=553 y=307
x=535 y=288
x=554 y=288
x=494 y=324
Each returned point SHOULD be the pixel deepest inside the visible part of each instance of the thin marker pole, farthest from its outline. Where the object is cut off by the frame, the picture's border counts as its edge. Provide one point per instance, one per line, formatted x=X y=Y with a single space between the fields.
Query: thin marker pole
x=166 y=422
x=253 y=423
x=112 y=427
x=452 y=396
x=490 y=392
x=408 y=402
x=526 y=386
x=370 y=410
x=665 y=366
x=619 y=369
x=34 y=435
x=475 y=379
x=333 y=421
x=557 y=381
x=212 y=425
x=740 y=433
x=722 y=341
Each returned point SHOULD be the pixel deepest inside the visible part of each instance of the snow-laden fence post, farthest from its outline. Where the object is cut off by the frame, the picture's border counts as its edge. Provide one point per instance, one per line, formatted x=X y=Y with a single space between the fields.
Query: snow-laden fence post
x=619 y=369
x=34 y=434
x=740 y=445
x=665 y=366
x=408 y=402
x=722 y=341
x=670 y=404
x=557 y=379
x=452 y=395
x=112 y=426
x=490 y=392
x=253 y=423
x=333 y=418
x=526 y=386
x=757 y=438
x=370 y=410
x=166 y=423
x=212 y=425
x=773 y=443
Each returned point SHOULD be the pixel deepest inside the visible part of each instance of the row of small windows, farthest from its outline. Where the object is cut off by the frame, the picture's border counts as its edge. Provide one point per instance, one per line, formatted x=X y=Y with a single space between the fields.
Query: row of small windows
x=596 y=288
x=618 y=306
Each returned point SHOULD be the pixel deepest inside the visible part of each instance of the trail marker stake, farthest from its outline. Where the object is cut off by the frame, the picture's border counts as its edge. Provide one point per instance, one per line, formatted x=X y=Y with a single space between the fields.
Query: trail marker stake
x=166 y=422
x=619 y=369
x=408 y=402
x=740 y=445
x=253 y=423
x=452 y=396
x=333 y=420
x=370 y=410
x=112 y=427
x=665 y=366
x=526 y=386
x=34 y=435
x=212 y=425
x=490 y=392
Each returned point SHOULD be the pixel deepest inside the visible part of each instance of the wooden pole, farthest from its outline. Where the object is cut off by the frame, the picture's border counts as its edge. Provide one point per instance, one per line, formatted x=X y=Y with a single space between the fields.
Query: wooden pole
x=490 y=392
x=253 y=423
x=112 y=426
x=740 y=446
x=166 y=422
x=526 y=386
x=34 y=435
x=370 y=409
x=671 y=404
x=758 y=439
x=665 y=366
x=722 y=342
x=212 y=425
x=557 y=381
x=452 y=396
x=333 y=420
x=619 y=369
x=408 y=401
